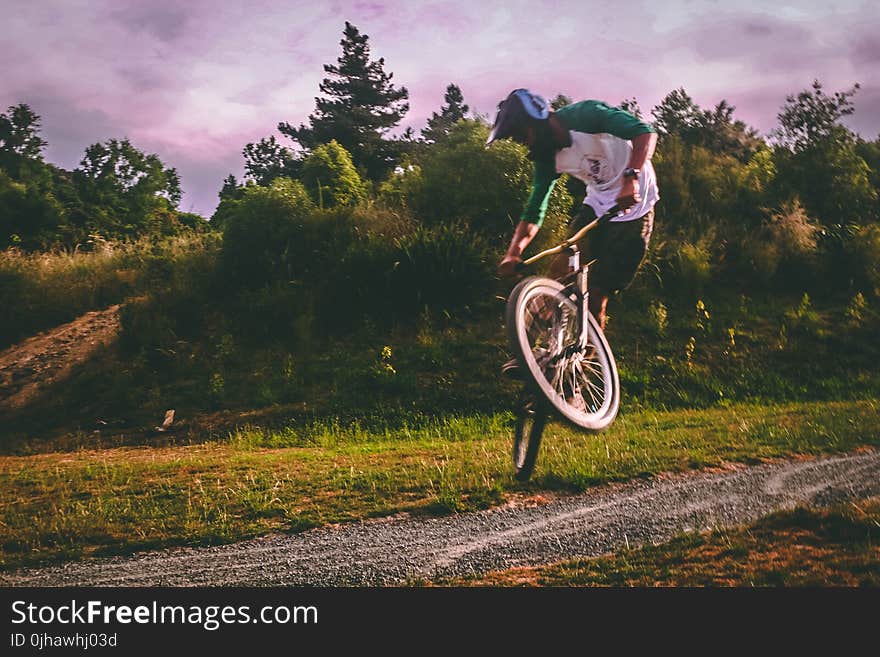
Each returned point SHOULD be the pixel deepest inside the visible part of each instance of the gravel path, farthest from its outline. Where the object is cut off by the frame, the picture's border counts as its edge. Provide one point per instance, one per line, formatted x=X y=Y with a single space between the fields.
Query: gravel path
x=394 y=551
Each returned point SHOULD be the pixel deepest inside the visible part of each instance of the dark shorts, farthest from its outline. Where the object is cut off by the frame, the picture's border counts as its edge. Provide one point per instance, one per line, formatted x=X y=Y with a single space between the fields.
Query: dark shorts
x=620 y=247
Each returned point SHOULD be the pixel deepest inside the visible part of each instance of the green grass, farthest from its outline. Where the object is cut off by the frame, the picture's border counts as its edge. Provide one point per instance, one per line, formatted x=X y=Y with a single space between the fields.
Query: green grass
x=838 y=547
x=90 y=502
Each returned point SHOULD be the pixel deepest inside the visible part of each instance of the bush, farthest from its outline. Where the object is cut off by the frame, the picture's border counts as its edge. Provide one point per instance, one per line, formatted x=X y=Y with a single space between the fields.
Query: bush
x=261 y=231
x=784 y=246
x=30 y=217
x=484 y=188
x=861 y=252
x=444 y=269
x=689 y=265
x=401 y=187
x=330 y=177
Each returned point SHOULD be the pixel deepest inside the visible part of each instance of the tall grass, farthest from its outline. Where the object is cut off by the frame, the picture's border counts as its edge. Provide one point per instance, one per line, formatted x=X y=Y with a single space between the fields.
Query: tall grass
x=41 y=290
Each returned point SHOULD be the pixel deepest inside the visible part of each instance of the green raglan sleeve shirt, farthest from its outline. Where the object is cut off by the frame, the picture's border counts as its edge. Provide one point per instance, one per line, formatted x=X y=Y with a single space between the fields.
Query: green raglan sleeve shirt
x=544 y=179
x=589 y=116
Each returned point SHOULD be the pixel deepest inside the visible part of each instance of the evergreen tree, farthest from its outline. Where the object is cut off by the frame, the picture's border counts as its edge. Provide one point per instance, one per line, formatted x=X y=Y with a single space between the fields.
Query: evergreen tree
x=19 y=133
x=453 y=111
x=360 y=107
x=231 y=189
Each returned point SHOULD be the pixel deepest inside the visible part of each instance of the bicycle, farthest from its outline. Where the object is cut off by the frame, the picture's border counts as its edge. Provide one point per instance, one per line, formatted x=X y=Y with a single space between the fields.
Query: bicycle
x=566 y=361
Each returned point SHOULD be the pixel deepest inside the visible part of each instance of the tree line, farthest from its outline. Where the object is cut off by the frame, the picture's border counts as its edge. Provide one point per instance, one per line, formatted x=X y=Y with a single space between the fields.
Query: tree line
x=728 y=193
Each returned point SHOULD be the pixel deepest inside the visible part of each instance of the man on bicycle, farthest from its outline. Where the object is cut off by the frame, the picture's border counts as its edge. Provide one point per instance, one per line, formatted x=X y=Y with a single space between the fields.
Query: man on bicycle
x=607 y=148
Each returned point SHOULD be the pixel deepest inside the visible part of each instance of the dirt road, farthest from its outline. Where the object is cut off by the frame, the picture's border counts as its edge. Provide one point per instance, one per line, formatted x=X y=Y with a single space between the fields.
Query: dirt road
x=393 y=552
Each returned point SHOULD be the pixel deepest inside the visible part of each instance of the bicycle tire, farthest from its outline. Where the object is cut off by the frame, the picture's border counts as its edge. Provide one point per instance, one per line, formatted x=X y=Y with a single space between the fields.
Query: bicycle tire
x=531 y=418
x=585 y=388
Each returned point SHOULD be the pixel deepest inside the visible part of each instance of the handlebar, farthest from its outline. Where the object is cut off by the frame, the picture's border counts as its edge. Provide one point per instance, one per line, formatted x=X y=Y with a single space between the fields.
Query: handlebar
x=613 y=212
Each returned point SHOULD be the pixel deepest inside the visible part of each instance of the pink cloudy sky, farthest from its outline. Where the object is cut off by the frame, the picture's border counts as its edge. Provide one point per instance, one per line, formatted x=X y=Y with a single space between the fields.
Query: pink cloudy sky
x=195 y=81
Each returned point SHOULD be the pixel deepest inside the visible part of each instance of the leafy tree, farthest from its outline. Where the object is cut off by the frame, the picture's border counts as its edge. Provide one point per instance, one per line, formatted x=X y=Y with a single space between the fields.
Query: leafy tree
x=360 y=107
x=34 y=195
x=812 y=116
x=677 y=114
x=831 y=179
x=631 y=105
x=453 y=111
x=870 y=152
x=819 y=160
x=718 y=131
x=30 y=214
x=267 y=160
x=120 y=186
x=560 y=101
x=231 y=189
x=330 y=177
x=715 y=129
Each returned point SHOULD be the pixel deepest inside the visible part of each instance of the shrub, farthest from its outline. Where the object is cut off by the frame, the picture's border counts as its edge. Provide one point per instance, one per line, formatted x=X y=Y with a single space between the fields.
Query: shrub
x=401 y=187
x=691 y=266
x=784 y=246
x=484 y=188
x=861 y=252
x=444 y=269
x=659 y=317
x=260 y=232
x=856 y=310
x=330 y=177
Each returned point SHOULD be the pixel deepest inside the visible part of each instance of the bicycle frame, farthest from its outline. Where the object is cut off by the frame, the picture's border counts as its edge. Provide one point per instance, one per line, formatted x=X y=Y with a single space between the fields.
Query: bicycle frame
x=580 y=288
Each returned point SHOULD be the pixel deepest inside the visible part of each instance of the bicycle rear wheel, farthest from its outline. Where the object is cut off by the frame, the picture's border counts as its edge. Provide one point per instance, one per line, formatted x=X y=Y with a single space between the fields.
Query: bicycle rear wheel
x=531 y=417
x=543 y=326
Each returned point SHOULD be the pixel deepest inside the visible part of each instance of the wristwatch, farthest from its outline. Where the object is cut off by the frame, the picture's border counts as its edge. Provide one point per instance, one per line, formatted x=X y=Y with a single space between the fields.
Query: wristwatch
x=631 y=173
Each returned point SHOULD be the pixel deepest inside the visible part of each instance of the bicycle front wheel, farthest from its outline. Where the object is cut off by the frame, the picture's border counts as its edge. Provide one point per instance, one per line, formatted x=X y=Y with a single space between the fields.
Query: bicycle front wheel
x=544 y=329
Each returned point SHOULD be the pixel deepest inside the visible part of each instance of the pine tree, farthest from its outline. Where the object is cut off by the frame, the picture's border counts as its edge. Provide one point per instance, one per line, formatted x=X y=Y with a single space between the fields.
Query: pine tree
x=19 y=133
x=453 y=111
x=361 y=105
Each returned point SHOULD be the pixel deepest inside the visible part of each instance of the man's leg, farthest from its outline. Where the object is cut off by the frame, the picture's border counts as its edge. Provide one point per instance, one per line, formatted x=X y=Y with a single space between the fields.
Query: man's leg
x=622 y=252
x=598 y=304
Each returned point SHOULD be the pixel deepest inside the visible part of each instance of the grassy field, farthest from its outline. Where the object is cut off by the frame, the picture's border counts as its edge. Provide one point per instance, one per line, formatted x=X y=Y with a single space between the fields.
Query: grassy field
x=114 y=501
x=383 y=417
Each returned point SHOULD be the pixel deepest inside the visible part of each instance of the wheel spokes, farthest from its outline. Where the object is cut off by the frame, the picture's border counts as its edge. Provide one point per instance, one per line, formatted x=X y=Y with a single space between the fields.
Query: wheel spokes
x=577 y=377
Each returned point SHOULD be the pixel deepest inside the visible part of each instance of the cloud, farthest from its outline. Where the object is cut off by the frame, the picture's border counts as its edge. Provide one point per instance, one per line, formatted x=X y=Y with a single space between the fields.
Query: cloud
x=866 y=49
x=166 y=21
x=194 y=82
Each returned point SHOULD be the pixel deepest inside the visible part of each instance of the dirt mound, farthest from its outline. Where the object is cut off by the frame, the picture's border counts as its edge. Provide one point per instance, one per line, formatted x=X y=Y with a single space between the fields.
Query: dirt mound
x=31 y=367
